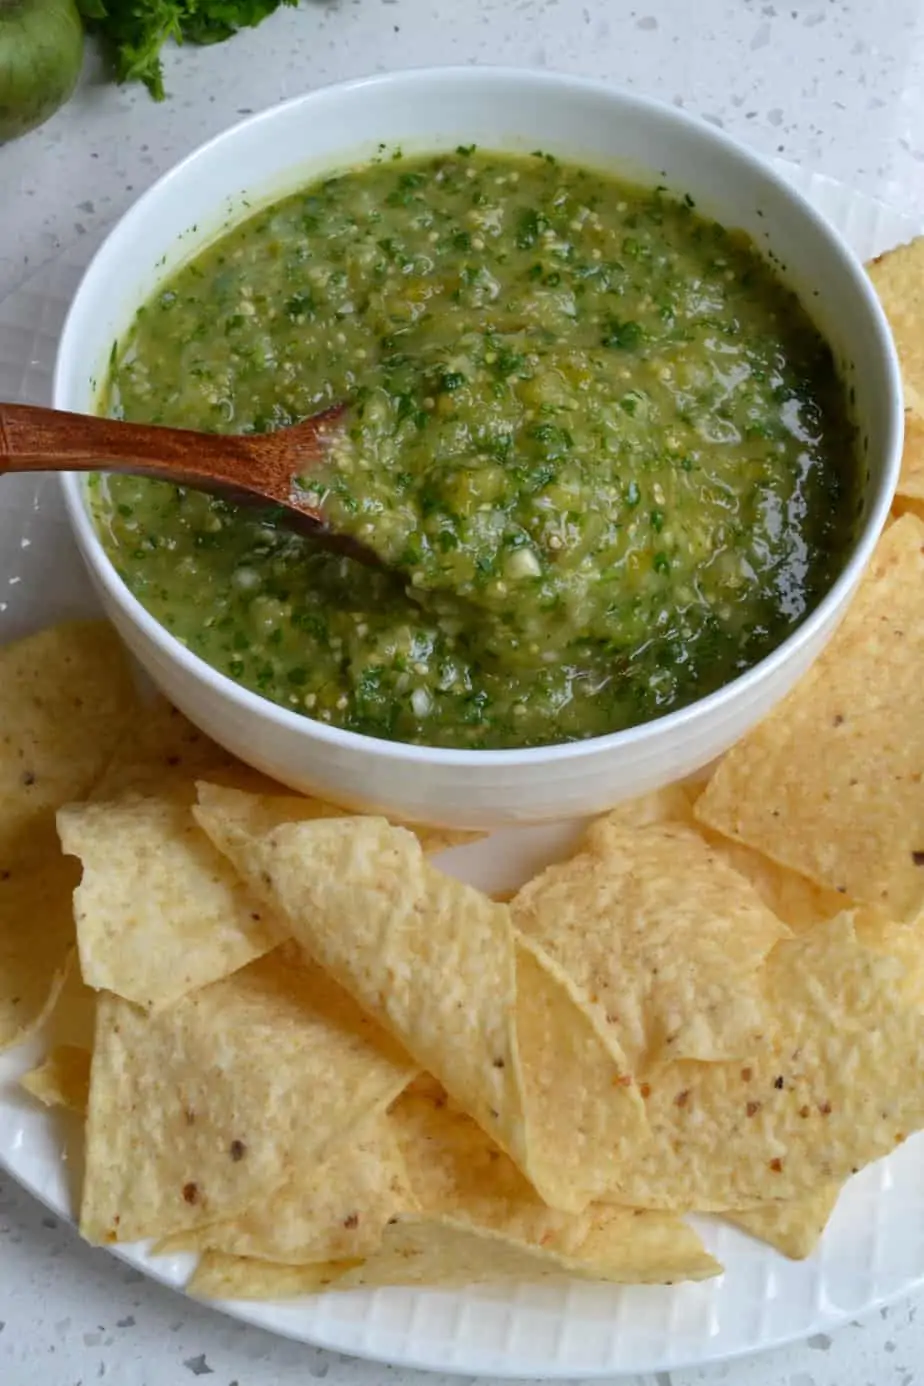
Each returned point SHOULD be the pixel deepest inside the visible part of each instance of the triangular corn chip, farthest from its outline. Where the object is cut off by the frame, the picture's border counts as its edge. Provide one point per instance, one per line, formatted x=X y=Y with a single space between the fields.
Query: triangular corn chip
x=159 y=911
x=254 y=814
x=162 y=752
x=36 y=940
x=65 y=696
x=63 y=1079
x=793 y=1228
x=575 y=1079
x=834 y=1090
x=832 y=783
x=662 y=939
x=198 y=1111
x=218 y=1276
x=328 y=1211
x=621 y=1248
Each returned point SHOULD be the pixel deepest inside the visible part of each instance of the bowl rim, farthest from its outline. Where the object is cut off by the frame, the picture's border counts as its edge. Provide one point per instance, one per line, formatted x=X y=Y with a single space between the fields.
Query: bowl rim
x=679 y=721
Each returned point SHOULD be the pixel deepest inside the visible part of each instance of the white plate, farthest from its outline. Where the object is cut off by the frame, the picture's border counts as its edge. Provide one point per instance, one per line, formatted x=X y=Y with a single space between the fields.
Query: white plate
x=872 y=1251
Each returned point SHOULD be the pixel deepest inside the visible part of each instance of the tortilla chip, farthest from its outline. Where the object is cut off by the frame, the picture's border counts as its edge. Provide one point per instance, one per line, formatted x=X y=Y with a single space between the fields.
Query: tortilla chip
x=247 y=814
x=455 y=1170
x=436 y=840
x=199 y=1111
x=36 y=940
x=453 y=1166
x=166 y=754
x=832 y=1092
x=431 y=959
x=911 y=479
x=65 y=695
x=898 y=277
x=72 y=1022
x=162 y=750
x=794 y=899
x=672 y=804
x=579 y=1097
x=793 y=1228
x=905 y=505
x=662 y=939
x=331 y=1211
x=903 y=941
x=237 y=1277
x=159 y=911
x=434 y=961
x=63 y=1080
x=831 y=783
x=421 y=1250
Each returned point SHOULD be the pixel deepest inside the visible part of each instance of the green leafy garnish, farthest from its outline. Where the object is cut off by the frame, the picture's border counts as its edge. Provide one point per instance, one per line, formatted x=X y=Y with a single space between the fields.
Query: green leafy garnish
x=134 y=31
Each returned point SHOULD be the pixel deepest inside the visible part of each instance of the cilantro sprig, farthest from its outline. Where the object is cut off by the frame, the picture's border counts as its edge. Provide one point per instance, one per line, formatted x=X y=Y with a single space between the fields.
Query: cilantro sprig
x=133 y=32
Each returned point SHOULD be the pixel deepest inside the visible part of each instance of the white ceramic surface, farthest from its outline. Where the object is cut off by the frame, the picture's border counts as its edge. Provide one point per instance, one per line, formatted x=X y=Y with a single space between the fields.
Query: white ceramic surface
x=872 y=1252
x=333 y=127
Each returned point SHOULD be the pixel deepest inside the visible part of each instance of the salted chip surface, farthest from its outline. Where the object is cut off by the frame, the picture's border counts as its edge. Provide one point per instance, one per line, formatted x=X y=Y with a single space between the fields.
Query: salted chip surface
x=905 y=505
x=911 y=479
x=455 y=1170
x=430 y=958
x=421 y=1250
x=199 y=1111
x=453 y=1166
x=672 y=804
x=898 y=277
x=246 y=814
x=833 y=1091
x=159 y=910
x=161 y=751
x=832 y=783
x=62 y=1079
x=219 y=1276
x=793 y=898
x=579 y=1095
x=65 y=696
x=662 y=938
x=799 y=902
x=328 y=1211
x=793 y=1228
x=36 y=940
x=73 y=1019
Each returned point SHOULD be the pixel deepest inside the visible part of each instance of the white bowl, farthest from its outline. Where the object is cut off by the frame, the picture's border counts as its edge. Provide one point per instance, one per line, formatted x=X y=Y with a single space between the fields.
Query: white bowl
x=271 y=154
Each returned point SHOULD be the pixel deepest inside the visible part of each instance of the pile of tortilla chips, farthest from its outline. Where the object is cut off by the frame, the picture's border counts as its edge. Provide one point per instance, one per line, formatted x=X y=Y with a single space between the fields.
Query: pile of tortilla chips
x=308 y=1053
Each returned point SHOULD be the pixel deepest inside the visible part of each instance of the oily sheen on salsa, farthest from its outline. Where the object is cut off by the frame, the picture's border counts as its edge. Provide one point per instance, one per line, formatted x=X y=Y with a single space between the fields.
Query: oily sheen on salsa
x=604 y=452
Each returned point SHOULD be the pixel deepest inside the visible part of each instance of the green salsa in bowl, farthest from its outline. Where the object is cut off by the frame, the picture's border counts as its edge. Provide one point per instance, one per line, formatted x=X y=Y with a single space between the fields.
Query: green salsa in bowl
x=624 y=467
x=604 y=451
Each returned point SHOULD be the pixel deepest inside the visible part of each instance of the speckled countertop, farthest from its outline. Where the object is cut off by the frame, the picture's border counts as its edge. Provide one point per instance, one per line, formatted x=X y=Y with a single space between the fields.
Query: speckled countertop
x=833 y=84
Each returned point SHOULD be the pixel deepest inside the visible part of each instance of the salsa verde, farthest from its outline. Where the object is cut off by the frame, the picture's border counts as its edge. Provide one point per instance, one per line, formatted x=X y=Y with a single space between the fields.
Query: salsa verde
x=605 y=452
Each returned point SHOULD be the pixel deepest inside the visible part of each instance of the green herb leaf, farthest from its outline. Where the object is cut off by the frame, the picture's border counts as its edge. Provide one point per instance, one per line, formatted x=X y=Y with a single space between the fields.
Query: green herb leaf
x=133 y=32
x=626 y=336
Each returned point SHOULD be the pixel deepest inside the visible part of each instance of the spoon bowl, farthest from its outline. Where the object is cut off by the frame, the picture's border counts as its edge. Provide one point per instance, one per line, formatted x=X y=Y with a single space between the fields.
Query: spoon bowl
x=262 y=469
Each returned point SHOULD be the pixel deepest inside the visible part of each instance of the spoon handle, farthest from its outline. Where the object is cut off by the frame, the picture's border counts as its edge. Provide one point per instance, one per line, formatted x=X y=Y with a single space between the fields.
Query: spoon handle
x=33 y=439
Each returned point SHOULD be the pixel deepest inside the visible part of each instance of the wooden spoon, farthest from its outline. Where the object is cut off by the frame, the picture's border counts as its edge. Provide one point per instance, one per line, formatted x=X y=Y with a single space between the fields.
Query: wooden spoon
x=249 y=469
